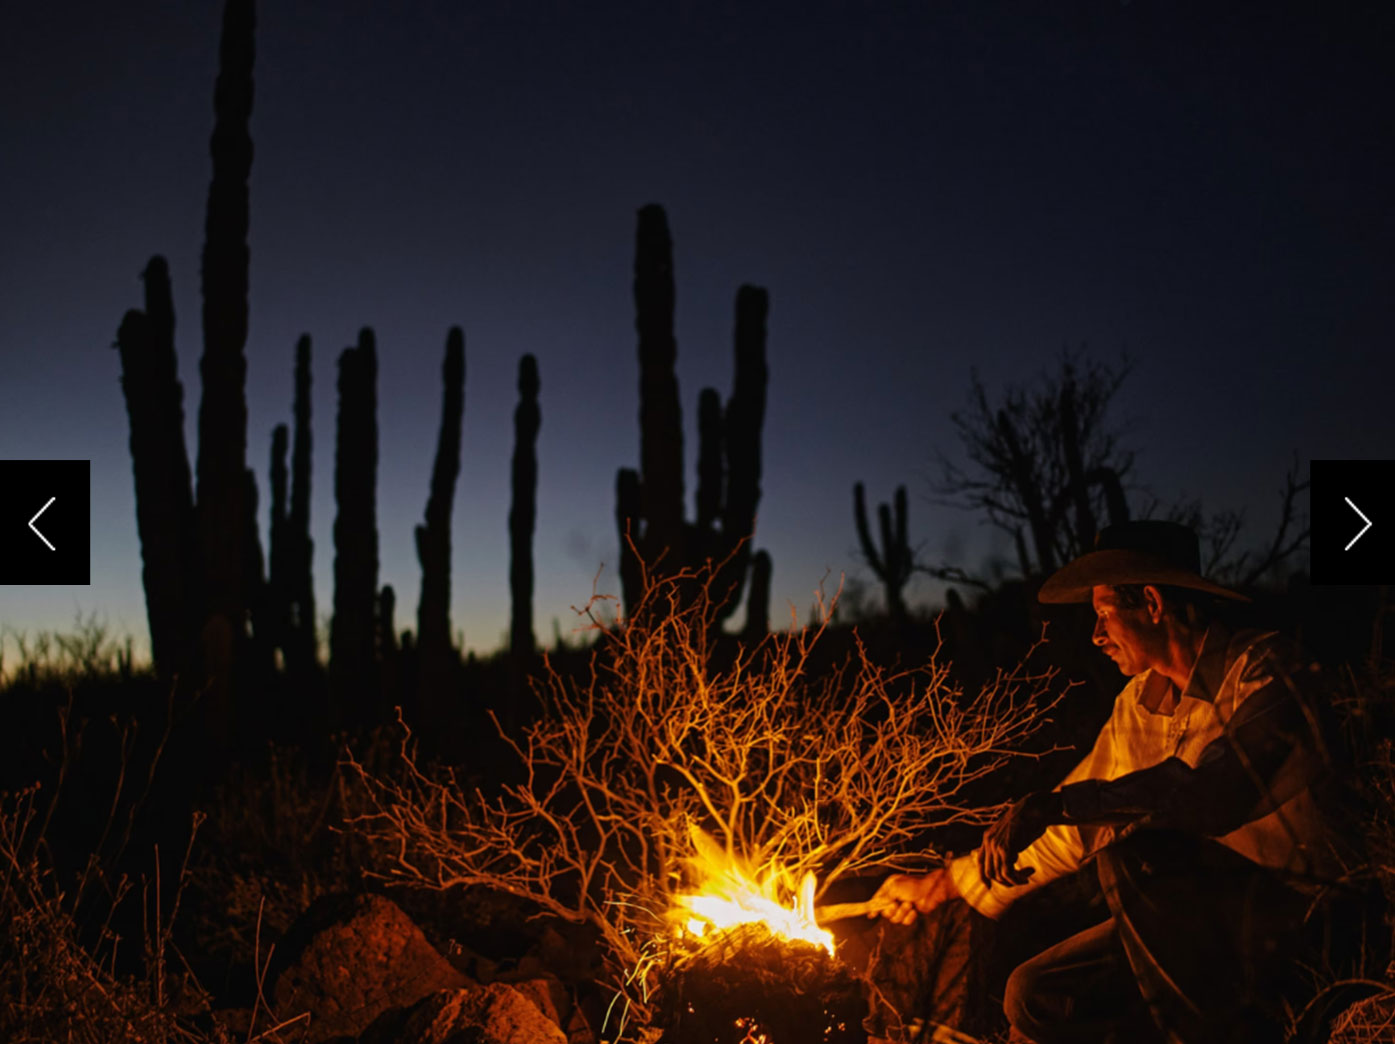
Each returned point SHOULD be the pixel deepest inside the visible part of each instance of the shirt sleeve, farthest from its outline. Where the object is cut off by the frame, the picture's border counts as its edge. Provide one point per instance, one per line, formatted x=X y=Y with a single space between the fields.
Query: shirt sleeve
x=1060 y=849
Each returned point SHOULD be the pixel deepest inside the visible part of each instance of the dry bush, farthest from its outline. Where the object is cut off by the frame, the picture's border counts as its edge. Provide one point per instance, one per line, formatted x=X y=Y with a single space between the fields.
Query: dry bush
x=834 y=771
x=1369 y=1021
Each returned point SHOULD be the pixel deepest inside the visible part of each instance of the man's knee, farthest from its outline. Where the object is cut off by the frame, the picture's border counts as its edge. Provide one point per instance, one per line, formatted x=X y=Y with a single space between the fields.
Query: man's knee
x=1024 y=1004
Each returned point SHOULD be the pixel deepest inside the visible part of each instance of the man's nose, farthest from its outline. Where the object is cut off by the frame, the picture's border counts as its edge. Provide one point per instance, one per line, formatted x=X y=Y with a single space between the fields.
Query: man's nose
x=1099 y=635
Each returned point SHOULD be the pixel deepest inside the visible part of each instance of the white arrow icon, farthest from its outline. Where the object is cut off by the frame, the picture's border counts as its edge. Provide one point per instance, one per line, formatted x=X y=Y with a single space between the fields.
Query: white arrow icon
x=52 y=499
x=1363 y=528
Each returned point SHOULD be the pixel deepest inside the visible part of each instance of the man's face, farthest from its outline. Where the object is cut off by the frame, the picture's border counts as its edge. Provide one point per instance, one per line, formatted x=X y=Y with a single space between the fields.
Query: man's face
x=1125 y=635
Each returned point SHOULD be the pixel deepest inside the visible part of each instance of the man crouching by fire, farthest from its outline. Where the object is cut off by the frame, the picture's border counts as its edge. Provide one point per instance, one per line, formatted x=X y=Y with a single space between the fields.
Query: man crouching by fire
x=1201 y=805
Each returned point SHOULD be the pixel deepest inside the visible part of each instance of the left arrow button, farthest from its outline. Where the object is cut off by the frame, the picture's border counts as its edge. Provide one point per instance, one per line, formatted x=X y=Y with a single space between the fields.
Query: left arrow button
x=35 y=528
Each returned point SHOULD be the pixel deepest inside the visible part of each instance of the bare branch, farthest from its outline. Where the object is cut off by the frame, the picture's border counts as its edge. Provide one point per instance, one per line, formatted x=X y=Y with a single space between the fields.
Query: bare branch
x=1045 y=459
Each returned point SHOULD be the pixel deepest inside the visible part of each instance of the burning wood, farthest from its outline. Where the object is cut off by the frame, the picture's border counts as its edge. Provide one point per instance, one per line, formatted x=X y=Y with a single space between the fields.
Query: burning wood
x=749 y=986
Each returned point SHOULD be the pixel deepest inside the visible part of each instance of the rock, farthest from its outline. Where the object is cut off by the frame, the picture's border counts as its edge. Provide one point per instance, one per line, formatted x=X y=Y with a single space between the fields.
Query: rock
x=549 y=996
x=570 y=952
x=348 y=959
x=475 y=967
x=493 y=1014
x=578 y=1029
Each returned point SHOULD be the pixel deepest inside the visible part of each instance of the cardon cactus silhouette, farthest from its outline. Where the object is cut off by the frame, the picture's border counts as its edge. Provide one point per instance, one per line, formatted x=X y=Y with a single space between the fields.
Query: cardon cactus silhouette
x=386 y=624
x=197 y=558
x=894 y=563
x=160 y=462
x=277 y=616
x=290 y=593
x=758 y=603
x=257 y=658
x=435 y=655
x=300 y=646
x=649 y=504
x=527 y=419
x=353 y=626
x=222 y=506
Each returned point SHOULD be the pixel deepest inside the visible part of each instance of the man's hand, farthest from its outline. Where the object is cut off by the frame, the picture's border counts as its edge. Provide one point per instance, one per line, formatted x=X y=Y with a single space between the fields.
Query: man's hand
x=1015 y=829
x=902 y=896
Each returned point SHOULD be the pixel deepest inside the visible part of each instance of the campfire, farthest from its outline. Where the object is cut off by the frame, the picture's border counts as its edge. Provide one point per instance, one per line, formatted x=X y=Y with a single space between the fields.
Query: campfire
x=752 y=965
x=734 y=894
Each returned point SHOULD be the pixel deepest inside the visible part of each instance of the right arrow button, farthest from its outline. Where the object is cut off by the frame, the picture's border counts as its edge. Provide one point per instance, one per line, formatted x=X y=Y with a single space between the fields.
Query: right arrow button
x=1362 y=516
x=1351 y=523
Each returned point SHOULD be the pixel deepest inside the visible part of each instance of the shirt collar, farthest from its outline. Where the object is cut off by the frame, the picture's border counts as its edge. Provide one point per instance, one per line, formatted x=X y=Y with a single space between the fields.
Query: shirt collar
x=1157 y=691
x=1210 y=668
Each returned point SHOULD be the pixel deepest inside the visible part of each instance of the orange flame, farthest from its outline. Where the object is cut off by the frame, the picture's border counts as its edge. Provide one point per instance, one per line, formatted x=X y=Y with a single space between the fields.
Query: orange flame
x=732 y=894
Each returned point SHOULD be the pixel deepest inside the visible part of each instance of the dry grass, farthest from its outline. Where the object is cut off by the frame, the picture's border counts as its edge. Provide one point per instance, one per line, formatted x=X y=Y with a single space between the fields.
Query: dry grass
x=87 y=653
x=834 y=772
x=271 y=846
x=88 y=953
x=60 y=977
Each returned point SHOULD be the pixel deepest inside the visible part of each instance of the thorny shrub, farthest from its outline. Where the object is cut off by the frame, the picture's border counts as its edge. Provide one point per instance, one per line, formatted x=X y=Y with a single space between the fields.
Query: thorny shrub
x=832 y=771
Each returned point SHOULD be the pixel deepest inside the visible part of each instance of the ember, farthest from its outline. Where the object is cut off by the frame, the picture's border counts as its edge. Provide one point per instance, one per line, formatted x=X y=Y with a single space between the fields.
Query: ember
x=748 y=986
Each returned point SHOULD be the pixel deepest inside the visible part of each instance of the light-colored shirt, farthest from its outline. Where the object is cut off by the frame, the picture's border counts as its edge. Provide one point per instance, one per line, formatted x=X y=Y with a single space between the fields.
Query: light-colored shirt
x=1234 y=756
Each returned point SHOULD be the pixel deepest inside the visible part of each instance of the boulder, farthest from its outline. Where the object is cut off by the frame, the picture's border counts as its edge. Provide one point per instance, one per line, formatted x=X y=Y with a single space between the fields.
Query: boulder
x=348 y=959
x=493 y=1014
x=548 y=995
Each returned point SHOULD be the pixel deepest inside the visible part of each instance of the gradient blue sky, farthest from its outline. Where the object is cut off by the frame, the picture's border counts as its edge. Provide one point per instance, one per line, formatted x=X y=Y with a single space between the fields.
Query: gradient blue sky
x=923 y=188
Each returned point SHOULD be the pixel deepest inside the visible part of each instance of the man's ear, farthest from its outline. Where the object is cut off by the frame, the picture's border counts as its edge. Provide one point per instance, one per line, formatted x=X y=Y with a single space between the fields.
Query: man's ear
x=1153 y=602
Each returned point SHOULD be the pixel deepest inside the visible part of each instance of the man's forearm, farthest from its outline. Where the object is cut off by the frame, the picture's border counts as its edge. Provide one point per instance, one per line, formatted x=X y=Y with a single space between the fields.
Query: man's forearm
x=1147 y=792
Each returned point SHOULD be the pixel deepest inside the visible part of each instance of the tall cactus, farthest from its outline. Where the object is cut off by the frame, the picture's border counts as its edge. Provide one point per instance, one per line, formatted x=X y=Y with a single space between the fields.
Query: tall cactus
x=649 y=503
x=527 y=419
x=353 y=628
x=301 y=647
x=160 y=463
x=434 y=650
x=258 y=655
x=894 y=563
x=278 y=612
x=386 y=640
x=222 y=464
x=741 y=430
x=710 y=465
x=660 y=416
x=758 y=604
x=628 y=520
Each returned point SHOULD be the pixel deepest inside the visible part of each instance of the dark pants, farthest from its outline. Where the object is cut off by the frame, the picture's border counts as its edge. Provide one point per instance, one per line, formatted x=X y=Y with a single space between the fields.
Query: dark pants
x=1202 y=945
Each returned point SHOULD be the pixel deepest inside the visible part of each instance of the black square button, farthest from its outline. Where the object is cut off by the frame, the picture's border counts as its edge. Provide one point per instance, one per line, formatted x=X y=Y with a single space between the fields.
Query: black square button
x=45 y=521
x=1352 y=508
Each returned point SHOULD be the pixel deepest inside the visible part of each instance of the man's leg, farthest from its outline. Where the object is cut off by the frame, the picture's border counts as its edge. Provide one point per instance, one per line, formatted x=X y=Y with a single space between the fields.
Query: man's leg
x=1210 y=936
x=1081 y=989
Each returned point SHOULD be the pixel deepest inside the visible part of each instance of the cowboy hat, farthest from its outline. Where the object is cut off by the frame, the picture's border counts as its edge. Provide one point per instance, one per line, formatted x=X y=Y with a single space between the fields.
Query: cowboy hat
x=1144 y=552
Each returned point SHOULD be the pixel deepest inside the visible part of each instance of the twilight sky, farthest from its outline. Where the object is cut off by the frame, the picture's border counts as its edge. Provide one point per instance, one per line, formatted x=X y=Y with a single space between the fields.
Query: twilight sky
x=923 y=187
